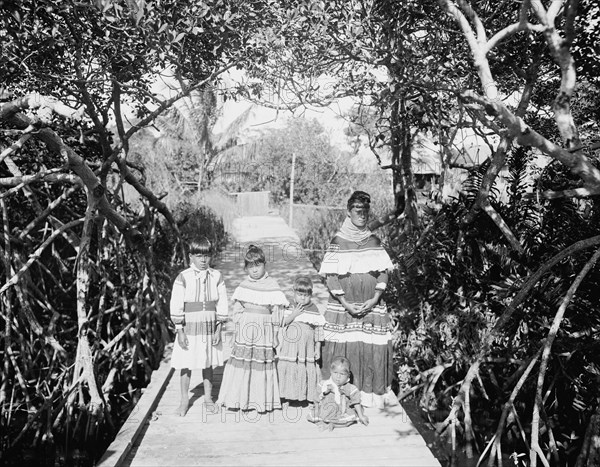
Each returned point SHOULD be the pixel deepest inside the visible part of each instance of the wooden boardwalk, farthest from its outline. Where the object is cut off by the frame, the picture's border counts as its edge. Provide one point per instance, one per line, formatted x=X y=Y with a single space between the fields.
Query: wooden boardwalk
x=155 y=436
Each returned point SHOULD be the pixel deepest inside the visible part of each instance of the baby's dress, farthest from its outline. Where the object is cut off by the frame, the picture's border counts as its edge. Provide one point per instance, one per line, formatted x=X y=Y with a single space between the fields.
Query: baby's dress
x=250 y=377
x=297 y=365
x=198 y=301
x=335 y=406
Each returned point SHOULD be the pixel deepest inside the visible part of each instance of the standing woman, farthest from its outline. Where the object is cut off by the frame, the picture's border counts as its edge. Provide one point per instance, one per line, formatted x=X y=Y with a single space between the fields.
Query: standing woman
x=358 y=325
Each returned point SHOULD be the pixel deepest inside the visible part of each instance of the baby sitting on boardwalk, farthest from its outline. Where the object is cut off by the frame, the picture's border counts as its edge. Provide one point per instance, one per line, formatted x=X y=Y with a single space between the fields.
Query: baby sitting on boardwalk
x=337 y=402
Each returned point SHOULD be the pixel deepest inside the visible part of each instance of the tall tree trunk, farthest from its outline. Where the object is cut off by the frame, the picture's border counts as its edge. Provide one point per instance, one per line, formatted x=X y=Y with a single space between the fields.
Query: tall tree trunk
x=410 y=194
x=84 y=364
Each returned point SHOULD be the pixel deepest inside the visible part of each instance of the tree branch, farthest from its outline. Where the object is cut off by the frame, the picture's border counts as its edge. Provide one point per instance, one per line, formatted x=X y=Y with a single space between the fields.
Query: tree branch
x=572 y=193
x=77 y=164
x=503 y=226
x=560 y=51
x=45 y=176
x=33 y=257
x=535 y=447
x=526 y=136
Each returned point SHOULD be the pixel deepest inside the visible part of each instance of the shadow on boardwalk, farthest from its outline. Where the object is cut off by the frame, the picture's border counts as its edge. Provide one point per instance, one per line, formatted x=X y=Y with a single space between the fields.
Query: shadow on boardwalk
x=206 y=436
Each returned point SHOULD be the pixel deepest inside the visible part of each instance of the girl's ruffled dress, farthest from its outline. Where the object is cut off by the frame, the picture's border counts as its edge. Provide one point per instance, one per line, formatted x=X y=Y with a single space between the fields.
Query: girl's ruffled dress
x=198 y=301
x=297 y=366
x=250 y=377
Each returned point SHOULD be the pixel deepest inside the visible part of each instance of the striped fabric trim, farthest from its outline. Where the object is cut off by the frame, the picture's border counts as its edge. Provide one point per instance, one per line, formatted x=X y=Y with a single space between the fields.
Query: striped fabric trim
x=357 y=336
x=265 y=291
x=254 y=355
x=337 y=314
x=254 y=308
x=201 y=284
x=256 y=365
x=195 y=286
x=309 y=318
x=260 y=298
x=200 y=328
x=337 y=307
x=178 y=320
x=354 y=261
x=193 y=307
x=283 y=358
x=250 y=345
x=310 y=315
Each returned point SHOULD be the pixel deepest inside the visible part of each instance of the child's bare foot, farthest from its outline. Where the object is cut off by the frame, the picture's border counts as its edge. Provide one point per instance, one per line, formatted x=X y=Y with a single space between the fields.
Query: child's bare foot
x=183 y=408
x=325 y=426
x=209 y=404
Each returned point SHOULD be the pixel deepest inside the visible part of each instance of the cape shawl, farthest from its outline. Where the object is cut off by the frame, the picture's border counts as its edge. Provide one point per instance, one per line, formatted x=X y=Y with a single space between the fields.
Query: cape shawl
x=311 y=315
x=264 y=291
x=356 y=255
x=350 y=232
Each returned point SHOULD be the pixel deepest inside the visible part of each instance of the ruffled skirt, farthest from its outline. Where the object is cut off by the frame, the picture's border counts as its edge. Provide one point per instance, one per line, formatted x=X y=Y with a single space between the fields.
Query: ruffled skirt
x=250 y=377
x=297 y=366
x=367 y=344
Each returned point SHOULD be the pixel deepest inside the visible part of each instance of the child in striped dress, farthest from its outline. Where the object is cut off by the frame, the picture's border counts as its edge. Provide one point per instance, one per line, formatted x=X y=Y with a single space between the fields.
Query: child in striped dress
x=198 y=308
x=300 y=347
x=250 y=377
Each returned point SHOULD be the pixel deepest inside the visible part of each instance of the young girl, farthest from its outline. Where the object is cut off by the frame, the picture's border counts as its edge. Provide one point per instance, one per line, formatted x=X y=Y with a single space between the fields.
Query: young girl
x=250 y=377
x=198 y=308
x=300 y=346
x=337 y=402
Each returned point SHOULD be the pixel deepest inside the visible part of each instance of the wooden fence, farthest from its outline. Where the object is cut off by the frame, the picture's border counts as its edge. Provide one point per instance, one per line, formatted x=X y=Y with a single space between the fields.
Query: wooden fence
x=252 y=203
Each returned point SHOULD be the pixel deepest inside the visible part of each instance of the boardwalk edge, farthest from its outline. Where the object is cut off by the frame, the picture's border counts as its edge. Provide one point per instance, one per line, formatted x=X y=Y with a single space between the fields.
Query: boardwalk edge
x=133 y=426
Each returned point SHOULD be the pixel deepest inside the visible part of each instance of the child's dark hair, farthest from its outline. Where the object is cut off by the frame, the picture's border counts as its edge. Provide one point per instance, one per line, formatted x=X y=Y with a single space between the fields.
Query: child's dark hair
x=254 y=256
x=303 y=284
x=359 y=199
x=200 y=246
x=338 y=362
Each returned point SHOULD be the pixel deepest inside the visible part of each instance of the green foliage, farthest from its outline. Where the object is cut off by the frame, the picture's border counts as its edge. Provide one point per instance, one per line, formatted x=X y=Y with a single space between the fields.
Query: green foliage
x=103 y=58
x=126 y=329
x=48 y=41
x=320 y=169
x=453 y=282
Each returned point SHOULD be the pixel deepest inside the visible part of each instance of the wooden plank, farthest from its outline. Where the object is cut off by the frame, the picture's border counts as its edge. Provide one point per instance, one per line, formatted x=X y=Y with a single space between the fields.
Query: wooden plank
x=358 y=455
x=133 y=426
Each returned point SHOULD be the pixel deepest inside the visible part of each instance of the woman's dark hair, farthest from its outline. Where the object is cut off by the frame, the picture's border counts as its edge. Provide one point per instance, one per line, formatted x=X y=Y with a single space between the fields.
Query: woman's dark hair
x=253 y=256
x=303 y=284
x=200 y=246
x=359 y=198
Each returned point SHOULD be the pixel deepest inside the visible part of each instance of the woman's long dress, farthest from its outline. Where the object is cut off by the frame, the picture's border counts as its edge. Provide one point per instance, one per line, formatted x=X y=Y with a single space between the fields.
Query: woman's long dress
x=356 y=270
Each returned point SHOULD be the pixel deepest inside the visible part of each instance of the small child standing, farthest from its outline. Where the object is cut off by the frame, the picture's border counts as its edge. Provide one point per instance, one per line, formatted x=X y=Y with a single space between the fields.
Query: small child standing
x=250 y=377
x=198 y=307
x=337 y=402
x=300 y=346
